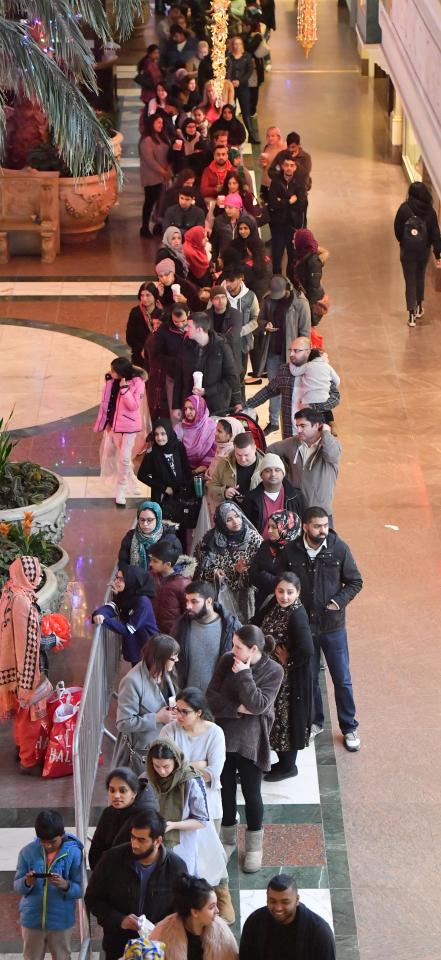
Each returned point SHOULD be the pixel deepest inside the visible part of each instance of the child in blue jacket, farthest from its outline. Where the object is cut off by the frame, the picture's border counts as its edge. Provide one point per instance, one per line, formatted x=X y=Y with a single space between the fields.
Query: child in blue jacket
x=49 y=878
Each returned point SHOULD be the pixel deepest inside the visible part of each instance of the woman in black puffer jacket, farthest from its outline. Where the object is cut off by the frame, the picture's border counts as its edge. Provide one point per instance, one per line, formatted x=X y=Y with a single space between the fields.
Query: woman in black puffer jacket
x=417 y=230
x=127 y=796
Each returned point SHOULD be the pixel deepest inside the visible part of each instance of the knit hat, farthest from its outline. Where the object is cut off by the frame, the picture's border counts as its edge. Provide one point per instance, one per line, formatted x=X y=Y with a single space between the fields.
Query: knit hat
x=217 y=292
x=277 y=287
x=271 y=460
x=165 y=266
x=233 y=200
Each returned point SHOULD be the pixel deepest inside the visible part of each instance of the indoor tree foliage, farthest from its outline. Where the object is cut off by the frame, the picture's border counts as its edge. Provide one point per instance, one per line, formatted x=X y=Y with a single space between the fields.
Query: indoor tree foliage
x=51 y=75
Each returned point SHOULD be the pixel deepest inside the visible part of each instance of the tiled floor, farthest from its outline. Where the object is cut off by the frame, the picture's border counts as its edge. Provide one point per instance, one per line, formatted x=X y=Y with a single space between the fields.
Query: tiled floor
x=381 y=833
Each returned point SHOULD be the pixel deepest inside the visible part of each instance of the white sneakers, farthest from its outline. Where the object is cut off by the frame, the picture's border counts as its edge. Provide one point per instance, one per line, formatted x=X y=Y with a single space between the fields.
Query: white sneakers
x=315 y=730
x=352 y=741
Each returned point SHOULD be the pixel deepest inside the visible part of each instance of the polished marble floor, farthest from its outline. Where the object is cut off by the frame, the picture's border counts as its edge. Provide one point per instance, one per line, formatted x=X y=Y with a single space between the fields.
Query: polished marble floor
x=360 y=831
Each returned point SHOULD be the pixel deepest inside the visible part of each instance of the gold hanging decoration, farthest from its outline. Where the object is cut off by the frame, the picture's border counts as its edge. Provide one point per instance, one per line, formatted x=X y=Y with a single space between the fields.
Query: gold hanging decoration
x=219 y=36
x=307 y=24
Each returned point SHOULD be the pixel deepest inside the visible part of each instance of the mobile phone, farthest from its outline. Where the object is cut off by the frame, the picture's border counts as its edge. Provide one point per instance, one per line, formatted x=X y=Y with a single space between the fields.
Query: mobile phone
x=41 y=876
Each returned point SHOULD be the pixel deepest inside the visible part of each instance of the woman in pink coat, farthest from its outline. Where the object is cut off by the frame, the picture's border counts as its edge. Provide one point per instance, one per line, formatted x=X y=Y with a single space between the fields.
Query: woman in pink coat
x=120 y=419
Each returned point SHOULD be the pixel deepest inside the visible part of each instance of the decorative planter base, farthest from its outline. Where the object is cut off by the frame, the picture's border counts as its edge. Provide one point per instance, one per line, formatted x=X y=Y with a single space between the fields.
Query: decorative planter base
x=48 y=594
x=85 y=204
x=49 y=515
x=60 y=570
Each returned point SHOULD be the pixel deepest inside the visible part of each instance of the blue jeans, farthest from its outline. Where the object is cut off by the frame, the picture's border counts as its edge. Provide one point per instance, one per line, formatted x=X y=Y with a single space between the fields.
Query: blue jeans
x=272 y=365
x=335 y=648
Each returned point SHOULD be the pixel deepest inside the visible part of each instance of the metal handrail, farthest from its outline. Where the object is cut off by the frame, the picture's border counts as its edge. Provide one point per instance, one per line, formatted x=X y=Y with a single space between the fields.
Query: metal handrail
x=99 y=682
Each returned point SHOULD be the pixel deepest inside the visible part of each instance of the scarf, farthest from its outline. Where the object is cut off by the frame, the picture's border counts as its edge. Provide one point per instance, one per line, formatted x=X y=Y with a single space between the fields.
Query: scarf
x=223 y=449
x=176 y=252
x=171 y=790
x=140 y=541
x=138 y=583
x=304 y=244
x=168 y=461
x=289 y=527
x=198 y=436
x=19 y=636
x=195 y=252
x=222 y=536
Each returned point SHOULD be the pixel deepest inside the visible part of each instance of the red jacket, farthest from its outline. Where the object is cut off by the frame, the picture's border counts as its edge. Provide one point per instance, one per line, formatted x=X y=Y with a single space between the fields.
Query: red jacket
x=213 y=178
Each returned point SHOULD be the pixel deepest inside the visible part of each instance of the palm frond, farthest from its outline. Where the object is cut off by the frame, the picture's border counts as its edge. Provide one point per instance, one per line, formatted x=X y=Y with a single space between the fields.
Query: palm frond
x=126 y=11
x=93 y=13
x=64 y=39
x=24 y=67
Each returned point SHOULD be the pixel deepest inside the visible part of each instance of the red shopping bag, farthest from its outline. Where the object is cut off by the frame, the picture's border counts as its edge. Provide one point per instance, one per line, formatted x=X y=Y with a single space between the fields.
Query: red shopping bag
x=58 y=761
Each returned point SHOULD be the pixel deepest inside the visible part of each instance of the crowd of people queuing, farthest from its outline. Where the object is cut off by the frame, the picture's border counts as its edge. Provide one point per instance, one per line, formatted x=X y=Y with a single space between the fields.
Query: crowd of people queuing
x=232 y=581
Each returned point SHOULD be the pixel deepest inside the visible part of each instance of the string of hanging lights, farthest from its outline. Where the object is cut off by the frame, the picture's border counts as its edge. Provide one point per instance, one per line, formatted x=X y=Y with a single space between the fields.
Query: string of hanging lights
x=219 y=35
x=307 y=24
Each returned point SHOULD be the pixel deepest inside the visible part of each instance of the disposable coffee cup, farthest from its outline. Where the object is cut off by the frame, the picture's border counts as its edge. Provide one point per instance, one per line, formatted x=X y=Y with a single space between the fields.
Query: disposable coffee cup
x=221 y=200
x=172 y=702
x=197 y=379
x=178 y=145
x=176 y=289
x=198 y=486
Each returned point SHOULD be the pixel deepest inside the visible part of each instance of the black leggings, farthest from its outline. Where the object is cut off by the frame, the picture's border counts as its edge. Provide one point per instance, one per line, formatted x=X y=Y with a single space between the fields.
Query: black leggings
x=251 y=782
x=151 y=195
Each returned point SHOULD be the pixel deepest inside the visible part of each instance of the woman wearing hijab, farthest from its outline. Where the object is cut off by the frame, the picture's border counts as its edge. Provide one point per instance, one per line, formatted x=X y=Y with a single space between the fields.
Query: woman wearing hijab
x=130 y=612
x=198 y=432
x=229 y=122
x=149 y=529
x=225 y=554
x=267 y=564
x=166 y=468
x=22 y=688
x=171 y=247
x=308 y=268
x=286 y=616
x=195 y=252
x=227 y=428
x=183 y=803
x=253 y=259
x=143 y=321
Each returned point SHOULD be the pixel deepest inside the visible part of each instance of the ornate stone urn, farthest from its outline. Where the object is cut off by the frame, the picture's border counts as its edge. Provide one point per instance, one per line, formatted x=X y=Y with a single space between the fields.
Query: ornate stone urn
x=85 y=203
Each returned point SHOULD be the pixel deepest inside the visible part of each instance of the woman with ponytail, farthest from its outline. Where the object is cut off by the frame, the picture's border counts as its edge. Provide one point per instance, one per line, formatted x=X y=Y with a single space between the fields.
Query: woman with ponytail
x=241 y=697
x=195 y=931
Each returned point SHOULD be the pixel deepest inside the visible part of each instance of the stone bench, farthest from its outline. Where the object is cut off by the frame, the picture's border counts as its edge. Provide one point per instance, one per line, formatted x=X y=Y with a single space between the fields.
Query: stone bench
x=29 y=204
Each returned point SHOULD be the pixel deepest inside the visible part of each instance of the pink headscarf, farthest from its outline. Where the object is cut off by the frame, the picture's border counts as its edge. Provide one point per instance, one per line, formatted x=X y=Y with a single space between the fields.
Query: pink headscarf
x=198 y=437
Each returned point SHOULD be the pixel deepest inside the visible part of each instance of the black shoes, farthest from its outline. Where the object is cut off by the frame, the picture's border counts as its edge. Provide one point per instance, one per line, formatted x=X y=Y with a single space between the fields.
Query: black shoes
x=270 y=428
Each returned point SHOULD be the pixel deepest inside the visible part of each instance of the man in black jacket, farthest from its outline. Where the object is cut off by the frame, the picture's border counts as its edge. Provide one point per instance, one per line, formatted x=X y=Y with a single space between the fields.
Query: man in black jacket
x=329 y=580
x=272 y=494
x=204 y=633
x=185 y=213
x=133 y=879
x=287 y=204
x=204 y=351
x=285 y=928
x=226 y=321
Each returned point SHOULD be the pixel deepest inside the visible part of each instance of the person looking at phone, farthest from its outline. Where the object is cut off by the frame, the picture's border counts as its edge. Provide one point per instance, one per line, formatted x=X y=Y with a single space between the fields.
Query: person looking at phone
x=313 y=459
x=49 y=879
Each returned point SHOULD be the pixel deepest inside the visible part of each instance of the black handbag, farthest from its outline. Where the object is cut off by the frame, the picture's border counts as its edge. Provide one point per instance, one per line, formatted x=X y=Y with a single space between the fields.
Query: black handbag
x=184 y=511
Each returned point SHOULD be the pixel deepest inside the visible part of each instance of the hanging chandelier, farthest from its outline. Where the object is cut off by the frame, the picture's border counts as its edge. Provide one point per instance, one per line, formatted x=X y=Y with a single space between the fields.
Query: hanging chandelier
x=307 y=24
x=219 y=35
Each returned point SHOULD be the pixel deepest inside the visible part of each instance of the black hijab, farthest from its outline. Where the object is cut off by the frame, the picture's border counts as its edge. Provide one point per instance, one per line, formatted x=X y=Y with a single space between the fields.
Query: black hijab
x=138 y=583
x=169 y=463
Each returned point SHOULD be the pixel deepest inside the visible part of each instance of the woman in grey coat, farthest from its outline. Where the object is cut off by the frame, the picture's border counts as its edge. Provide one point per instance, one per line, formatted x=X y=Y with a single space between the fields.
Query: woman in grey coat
x=144 y=702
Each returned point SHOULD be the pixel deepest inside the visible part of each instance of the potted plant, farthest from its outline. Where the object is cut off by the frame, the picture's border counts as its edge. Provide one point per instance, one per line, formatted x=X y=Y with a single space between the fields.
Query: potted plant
x=26 y=487
x=19 y=540
x=85 y=202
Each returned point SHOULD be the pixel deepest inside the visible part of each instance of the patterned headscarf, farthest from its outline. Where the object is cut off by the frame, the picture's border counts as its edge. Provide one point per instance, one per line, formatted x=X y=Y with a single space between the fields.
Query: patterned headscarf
x=139 y=548
x=289 y=526
x=223 y=537
x=19 y=635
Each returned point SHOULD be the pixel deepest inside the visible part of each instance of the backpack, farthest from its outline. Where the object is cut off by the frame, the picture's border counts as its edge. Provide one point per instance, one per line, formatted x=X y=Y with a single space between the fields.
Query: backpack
x=414 y=238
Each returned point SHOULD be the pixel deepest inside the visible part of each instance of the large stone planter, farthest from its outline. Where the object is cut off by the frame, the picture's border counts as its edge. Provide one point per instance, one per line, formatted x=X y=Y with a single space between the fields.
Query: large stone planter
x=47 y=595
x=59 y=568
x=85 y=204
x=49 y=515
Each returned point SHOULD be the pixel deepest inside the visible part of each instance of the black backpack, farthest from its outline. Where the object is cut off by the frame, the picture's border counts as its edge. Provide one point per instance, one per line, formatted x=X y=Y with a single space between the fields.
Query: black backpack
x=414 y=239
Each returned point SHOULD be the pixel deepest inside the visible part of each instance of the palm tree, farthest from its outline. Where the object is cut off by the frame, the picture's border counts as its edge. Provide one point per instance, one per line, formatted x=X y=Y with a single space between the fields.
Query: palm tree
x=48 y=65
